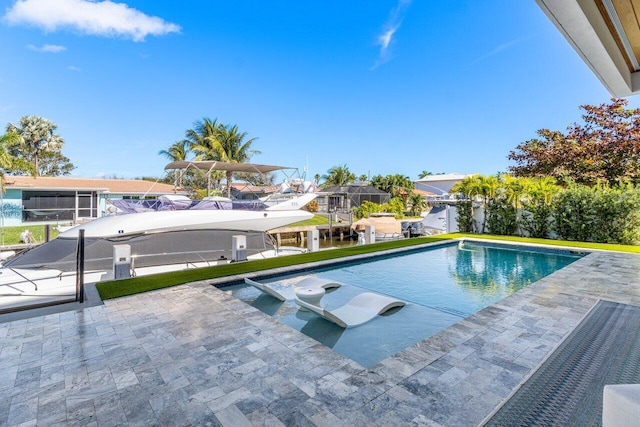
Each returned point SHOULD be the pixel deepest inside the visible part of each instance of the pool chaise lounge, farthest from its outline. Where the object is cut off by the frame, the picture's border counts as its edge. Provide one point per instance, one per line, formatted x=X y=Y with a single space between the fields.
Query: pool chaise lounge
x=284 y=294
x=281 y=294
x=361 y=309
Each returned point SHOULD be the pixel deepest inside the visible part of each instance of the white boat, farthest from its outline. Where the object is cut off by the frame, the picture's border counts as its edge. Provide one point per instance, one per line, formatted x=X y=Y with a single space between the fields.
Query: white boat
x=159 y=241
x=161 y=221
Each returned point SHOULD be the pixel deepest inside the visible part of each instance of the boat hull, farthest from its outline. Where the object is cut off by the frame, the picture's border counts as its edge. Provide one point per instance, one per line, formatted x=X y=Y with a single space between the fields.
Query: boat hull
x=148 y=222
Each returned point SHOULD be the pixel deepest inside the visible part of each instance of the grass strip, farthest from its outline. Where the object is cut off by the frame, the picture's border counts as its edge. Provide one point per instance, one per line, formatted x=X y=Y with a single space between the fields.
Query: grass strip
x=118 y=288
x=568 y=243
x=135 y=285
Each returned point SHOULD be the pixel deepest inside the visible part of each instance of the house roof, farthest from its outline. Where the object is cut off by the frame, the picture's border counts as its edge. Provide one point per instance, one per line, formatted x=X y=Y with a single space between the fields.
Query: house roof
x=117 y=186
x=606 y=35
x=353 y=189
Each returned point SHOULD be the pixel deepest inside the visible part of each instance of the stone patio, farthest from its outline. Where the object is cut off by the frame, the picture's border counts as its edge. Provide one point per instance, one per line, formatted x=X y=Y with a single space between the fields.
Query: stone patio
x=194 y=355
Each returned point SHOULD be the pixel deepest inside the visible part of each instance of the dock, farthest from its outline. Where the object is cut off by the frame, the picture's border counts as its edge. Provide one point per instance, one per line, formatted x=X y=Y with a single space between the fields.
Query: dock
x=326 y=232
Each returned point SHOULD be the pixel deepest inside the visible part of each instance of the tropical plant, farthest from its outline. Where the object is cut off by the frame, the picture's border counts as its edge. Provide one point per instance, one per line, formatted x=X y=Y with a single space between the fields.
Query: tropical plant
x=417 y=204
x=233 y=147
x=338 y=175
x=178 y=151
x=210 y=140
x=366 y=208
x=397 y=185
x=37 y=138
x=467 y=191
x=536 y=214
x=7 y=161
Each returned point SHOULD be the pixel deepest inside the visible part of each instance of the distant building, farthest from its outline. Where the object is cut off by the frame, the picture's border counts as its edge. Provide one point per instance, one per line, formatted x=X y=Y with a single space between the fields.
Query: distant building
x=343 y=198
x=439 y=185
x=30 y=199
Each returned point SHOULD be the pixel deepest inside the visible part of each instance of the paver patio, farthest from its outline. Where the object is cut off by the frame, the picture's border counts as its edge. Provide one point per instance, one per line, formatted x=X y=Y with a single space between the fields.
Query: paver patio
x=195 y=355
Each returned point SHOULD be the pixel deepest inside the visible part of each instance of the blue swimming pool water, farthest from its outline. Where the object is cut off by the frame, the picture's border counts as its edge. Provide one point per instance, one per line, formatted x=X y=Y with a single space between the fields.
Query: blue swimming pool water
x=441 y=286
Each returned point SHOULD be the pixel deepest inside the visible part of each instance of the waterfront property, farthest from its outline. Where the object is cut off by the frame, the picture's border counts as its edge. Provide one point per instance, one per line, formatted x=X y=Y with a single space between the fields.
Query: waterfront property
x=194 y=354
x=31 y=199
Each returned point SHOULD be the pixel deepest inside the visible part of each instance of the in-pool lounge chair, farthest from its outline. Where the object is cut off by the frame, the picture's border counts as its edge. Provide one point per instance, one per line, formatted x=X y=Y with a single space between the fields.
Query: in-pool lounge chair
x=281 y=294
x=361 y=309
x=284 y=293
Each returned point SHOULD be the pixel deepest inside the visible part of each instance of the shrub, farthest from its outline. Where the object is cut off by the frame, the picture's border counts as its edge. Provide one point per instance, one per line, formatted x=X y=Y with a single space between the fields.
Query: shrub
x=573 y=213
x=312 y=206
x=465 y=216
x=503 y=219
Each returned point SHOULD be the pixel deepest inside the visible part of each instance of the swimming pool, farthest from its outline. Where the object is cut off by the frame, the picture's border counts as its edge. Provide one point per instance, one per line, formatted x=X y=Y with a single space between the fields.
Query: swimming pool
x=441 y=286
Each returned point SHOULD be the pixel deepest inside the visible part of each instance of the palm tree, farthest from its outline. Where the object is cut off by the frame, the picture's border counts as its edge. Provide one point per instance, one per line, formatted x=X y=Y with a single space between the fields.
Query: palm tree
x=177 y=152
x=423 y=174
x=515 y=190
x=231 y=147
x=339 y=175
x=487 y=188
x=36 y=134
x=201 y=139
x=7 y=161
x=417 y=203
x=469 y=189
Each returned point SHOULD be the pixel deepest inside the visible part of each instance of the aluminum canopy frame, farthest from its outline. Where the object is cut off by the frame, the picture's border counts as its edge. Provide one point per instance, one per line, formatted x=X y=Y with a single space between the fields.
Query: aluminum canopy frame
x=209 y=166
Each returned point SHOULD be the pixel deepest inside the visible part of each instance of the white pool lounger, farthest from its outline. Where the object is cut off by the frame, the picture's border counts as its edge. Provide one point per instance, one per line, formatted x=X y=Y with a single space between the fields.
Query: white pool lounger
x=284 y=294
x=361 y=309
x=315 y=281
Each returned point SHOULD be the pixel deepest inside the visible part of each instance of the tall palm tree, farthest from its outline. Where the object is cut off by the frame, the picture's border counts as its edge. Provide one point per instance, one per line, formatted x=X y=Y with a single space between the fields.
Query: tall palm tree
x=232 y=146
x=339 y=175
x=201 y=138
x=37 y=135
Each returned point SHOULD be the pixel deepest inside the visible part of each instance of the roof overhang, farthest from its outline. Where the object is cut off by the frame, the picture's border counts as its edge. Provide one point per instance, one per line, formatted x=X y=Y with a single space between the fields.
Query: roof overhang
x=606 y=35
x=211 y=165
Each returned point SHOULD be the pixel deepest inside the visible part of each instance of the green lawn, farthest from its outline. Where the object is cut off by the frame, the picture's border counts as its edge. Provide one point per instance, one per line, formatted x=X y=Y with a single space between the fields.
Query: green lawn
x=12 y=234
x=316 y=220
x=114 y=289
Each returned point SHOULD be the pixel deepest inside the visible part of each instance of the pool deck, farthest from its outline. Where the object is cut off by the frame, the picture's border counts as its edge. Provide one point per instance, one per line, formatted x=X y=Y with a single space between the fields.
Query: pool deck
x=195 y=355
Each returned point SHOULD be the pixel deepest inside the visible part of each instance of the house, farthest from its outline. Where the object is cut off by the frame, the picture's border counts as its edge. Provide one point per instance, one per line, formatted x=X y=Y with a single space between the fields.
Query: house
x=439 y=185
x=30 y=199
x=342 y=198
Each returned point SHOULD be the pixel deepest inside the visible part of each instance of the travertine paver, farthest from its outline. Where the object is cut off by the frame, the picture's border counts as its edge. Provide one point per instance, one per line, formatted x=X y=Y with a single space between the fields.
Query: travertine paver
x=194 y=355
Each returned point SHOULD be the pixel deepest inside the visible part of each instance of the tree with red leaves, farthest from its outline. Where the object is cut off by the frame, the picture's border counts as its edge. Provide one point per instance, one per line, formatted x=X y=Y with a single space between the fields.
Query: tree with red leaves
x=605 y=149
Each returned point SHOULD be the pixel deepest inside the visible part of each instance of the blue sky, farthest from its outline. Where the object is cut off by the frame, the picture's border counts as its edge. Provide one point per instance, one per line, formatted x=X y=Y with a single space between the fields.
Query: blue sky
x=382 y=86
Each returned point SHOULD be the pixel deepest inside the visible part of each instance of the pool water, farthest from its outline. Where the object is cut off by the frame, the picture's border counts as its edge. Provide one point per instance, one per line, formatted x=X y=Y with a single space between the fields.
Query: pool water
x=441 y=286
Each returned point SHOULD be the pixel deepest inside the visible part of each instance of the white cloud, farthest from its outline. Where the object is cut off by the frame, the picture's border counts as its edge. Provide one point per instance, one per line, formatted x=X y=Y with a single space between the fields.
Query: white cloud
x=101 y=18
x=48 y=48
x=499 y=49
x=73 y=68
x=389 y=30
